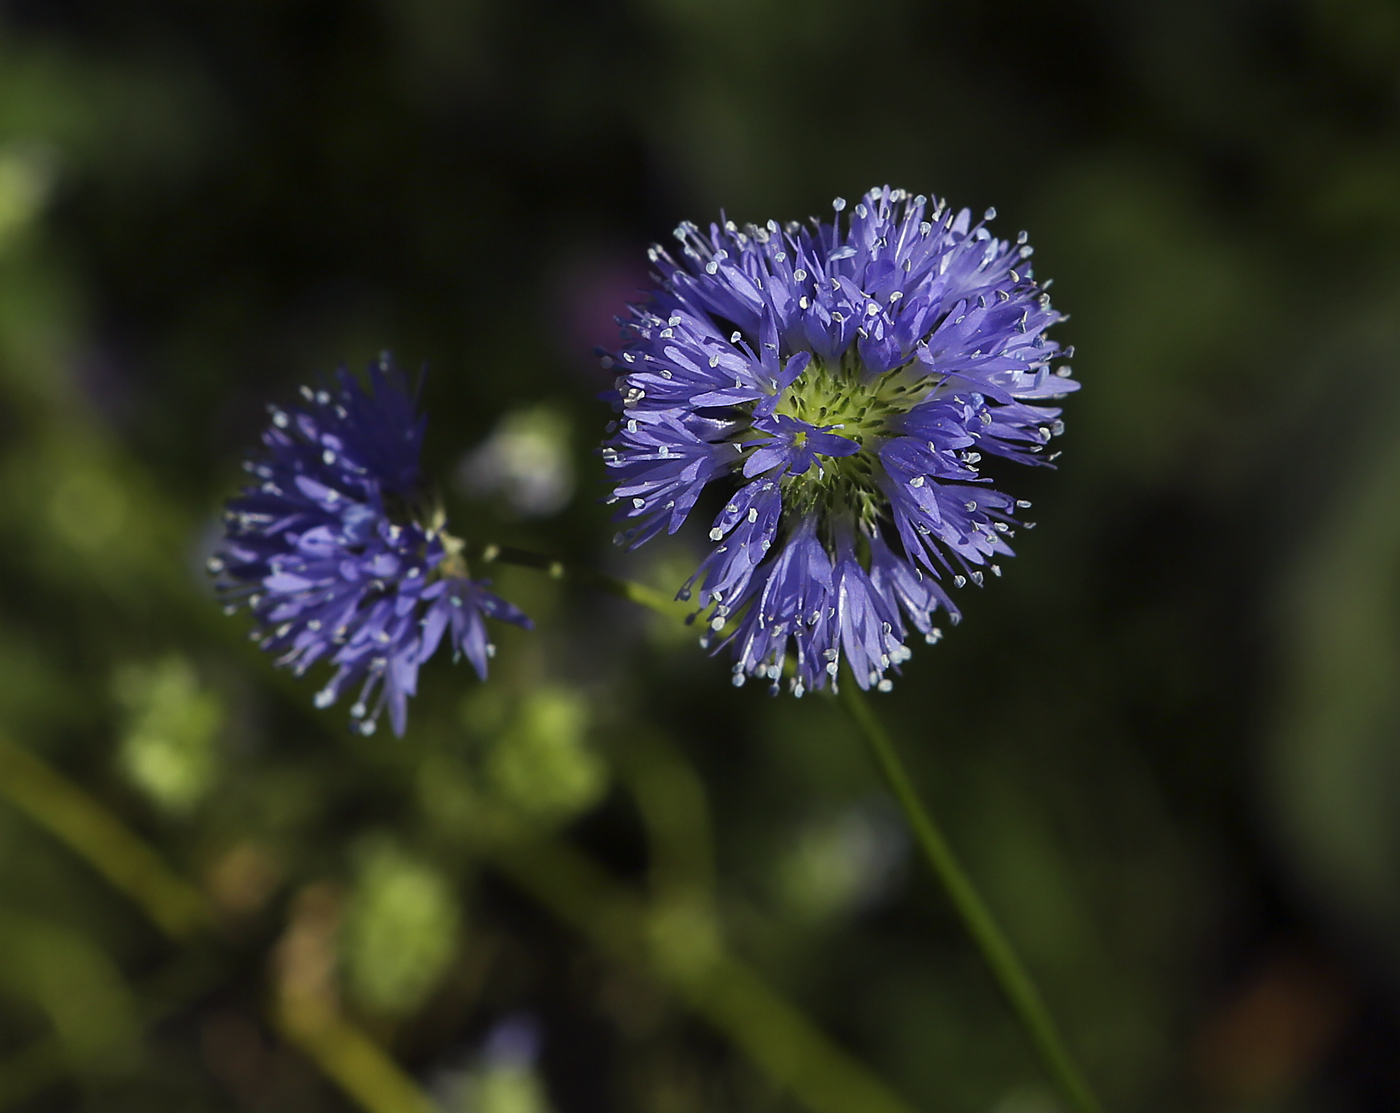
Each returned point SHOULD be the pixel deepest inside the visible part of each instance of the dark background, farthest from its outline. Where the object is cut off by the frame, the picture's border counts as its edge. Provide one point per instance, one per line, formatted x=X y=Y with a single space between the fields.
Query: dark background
x=1165 y=741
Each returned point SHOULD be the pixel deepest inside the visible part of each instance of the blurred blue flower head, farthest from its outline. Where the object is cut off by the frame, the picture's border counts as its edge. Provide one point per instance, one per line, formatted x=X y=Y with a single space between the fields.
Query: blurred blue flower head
x=843 y=387
x=336 y=554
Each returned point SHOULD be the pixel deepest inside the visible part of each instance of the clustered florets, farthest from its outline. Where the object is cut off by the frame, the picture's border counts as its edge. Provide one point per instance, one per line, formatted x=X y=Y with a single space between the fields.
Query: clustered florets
x=334 y=553
x=843 y=387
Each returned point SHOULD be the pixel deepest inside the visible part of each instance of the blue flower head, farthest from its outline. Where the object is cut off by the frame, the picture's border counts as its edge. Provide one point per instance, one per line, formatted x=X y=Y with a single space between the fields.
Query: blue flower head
x=841 y=387
x=334 y=552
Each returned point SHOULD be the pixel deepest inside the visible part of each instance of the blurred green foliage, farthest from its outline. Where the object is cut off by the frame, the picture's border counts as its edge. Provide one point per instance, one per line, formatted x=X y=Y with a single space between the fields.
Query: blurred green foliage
x=168 y=746
x=539 y=759
x=1165 y=741
x=401 y=929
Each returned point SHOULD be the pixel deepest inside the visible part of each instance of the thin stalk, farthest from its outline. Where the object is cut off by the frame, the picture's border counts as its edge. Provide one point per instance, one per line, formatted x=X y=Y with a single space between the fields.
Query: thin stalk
x=637 y=593
x=45 y=1062
x=678 y=946
x=775 y=1035
x=175 y=906
x=346 y=1054
x=996 y=950
x=361 y=1067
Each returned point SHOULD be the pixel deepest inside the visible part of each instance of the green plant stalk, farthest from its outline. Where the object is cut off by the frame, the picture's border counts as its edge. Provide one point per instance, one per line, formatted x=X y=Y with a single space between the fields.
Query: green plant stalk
x=44 y=1062
x=633 y=592
x=176 y=907
x=996 y=950
x=347 y=1054
x=676 y=949
x=777 y=1037
x=181 y=912
x=720 y=997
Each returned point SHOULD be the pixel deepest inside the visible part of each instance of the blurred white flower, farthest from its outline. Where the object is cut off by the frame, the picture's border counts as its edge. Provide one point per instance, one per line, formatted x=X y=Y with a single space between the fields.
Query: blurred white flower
x=842 y=863
x=525 y=462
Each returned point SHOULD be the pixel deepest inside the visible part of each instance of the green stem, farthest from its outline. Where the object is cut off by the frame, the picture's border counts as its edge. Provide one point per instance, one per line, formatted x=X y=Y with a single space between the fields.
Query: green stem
x=679 y=947
x=176 y=907
x=46 y=1062
x=996 y=950
x=362 y=1068
x=556 y=569
x=1020 y=991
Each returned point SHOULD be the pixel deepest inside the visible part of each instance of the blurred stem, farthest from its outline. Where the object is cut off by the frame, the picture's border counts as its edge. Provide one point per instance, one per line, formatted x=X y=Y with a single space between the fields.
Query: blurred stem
x=996 y=950
x=726 y=992
x=671 y=799
x=46 y=1062
x=775 y=1035
x=180 y=911
x=678 y=943
x=556 y=569
x=96 y=835
x=346 y=1054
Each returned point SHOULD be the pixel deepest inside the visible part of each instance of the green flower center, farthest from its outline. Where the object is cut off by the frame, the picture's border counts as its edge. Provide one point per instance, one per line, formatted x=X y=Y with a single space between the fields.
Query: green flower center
x=860 y=409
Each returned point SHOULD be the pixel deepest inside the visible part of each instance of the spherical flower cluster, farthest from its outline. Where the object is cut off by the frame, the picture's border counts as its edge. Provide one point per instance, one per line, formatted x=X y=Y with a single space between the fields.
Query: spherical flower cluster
x=842 y=387
x=332 y=550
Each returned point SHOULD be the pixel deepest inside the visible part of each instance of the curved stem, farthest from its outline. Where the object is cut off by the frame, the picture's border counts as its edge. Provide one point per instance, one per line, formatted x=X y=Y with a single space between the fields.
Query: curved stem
x=996 y=950
x=670 y=799
x=633 y=592
x=175 y=906
x=686 y=956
